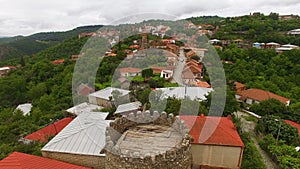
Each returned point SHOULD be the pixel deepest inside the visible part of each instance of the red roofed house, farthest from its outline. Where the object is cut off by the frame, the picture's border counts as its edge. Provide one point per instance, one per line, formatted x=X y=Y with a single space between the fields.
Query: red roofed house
x=43 y=134
x=252 y=96
x=18 y=160
x=239 y=86
x=294 y=124
x=84 y=89
x=57 y=62
x=216 y=142
x=130 y=72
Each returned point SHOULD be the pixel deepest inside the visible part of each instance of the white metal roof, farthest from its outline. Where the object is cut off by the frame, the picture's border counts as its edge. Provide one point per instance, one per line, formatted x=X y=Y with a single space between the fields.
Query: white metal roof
x=197 y=93
x=4 y=68
x=107 y=92
x=25 y=108
x=128 y=107
x=83 y=108
x=84 y=135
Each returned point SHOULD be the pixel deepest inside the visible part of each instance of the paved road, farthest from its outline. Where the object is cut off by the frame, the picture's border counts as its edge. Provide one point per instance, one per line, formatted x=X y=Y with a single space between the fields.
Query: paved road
x=179 y=68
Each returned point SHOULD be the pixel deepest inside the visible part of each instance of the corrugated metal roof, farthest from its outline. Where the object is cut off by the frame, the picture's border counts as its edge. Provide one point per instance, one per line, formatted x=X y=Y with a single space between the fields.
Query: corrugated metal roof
x=107 y=92
x=83 y=107
x=25 y=108
x=128 y=107
x=84 y=135
x=25 y=161
x=197 y=93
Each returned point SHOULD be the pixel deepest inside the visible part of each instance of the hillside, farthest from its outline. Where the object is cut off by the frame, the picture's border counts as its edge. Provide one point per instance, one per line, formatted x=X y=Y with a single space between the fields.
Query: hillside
x=15 y=47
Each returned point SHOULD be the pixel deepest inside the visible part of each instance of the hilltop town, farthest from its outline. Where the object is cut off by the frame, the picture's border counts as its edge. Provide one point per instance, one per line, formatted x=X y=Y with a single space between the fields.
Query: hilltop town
x=206 y=92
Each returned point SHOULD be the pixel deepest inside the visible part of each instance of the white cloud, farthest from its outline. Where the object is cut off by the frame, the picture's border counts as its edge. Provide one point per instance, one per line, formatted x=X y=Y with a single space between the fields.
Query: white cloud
x=30 y=16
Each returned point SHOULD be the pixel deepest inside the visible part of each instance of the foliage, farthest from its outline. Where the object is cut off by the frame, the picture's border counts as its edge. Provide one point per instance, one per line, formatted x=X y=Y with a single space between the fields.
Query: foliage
x=146 y=73
x=268 y=107
x=251 y=155
x=286 y=155
x=278 y=129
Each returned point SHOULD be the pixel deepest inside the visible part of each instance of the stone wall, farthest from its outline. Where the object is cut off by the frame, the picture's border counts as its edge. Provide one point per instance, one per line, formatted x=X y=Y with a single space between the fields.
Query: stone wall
x=178 y=157
x=96 y=162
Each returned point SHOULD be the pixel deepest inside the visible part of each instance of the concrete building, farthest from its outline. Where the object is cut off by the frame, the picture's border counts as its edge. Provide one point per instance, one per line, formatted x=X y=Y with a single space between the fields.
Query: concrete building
x=105 y=97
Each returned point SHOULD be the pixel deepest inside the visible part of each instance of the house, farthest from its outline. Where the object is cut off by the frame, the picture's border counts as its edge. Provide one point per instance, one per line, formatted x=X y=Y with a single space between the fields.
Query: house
x=84 y=108
x=84 y=89
x=5 y=69
x=167 y=74
x=45 y=133
x=105 y=97
x=58 y=62
x=201 y=84
x=172 y=48
x=272 y=45
x=188 y=76
x=286 y=47
x=294 y=124
x=194 y=93
x=86 y=34
x=81 y=142
x=25 y=108
x=252 y=96
x=130 y=72
x=18 y=160
x=294 y=32
x=127 y=108
x=158 y=70
x=239 y=86
x=216 y=143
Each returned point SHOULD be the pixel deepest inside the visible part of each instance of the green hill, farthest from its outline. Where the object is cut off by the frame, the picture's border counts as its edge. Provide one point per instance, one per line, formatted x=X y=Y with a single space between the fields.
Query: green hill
x=15 y=47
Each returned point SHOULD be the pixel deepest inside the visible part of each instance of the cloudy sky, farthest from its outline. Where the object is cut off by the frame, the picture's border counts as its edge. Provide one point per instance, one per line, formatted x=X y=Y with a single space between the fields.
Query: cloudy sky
x=25 y=17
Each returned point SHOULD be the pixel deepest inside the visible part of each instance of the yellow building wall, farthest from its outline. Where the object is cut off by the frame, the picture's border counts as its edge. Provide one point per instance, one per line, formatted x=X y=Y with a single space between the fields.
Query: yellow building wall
x=217 y=156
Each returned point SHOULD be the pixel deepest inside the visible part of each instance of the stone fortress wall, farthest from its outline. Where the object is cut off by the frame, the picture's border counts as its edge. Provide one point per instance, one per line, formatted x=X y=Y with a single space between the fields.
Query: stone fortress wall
x=177 y=156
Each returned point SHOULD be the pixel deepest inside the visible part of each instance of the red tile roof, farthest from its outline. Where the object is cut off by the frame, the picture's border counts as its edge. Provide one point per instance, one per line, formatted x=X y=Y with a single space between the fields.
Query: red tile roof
x=43 y=134
x=202 y=84
x=213 y=130
x=260 y=95
x=60 y=61
x=25 y=161
x=130 y=70
x=294 y=124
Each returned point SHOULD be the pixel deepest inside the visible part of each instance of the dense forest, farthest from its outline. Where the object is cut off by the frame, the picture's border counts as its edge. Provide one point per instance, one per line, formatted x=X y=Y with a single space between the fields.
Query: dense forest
x=15 y=47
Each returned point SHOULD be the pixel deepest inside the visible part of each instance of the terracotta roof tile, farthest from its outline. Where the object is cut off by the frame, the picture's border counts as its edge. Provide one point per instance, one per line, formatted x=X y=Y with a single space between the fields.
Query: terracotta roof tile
x=213 y=130
x=43 y=134
x=25 y=161
x=261 y=95
x=130 y=70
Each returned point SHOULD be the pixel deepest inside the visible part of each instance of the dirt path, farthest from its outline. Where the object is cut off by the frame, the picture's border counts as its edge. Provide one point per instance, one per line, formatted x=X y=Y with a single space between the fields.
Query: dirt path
x=249 y=126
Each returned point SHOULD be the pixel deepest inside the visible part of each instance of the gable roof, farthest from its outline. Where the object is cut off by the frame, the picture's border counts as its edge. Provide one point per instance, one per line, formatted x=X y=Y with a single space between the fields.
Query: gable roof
x=260 y=95
x=43 y=134
x=84 y=89
x=197 y=93
x=294 y=124
x=130 y=70
x=83 y=108
x=18 y=160
x=202 y=84
x=84 y=135
x=239 y=85
x=107 y=92
x=128 y=107
x=213 y=130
